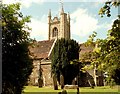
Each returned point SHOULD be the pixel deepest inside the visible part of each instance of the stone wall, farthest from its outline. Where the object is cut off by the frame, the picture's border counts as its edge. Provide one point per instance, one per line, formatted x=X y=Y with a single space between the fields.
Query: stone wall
x=35 y=73
x=46 y=73
x=47 y=78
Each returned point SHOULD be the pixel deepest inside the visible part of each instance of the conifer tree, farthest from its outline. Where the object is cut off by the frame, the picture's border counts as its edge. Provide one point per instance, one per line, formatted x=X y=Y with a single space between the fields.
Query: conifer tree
x=64 y=53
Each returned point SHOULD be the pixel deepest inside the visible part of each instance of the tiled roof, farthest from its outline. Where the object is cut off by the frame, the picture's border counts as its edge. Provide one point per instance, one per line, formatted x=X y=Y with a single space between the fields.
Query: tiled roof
x=41 y=48
x=85 y=49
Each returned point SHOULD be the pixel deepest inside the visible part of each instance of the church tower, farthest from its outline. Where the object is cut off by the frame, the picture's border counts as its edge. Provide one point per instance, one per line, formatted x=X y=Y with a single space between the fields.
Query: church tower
x=59 y=27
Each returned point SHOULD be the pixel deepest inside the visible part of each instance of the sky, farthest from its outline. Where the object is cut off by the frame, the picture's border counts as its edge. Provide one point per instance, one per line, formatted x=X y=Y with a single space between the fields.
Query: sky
x=83 y=13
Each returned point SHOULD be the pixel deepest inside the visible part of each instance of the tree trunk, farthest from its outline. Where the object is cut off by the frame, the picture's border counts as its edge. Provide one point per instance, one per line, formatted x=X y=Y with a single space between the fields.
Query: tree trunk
x=55 y=82
x=62 y=81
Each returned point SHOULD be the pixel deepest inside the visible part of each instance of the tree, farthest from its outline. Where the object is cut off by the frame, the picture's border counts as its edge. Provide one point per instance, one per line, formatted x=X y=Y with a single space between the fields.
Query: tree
x=110 y=52
x=16 y=61
x=106 y=54
x=64 y=55
x=106 y=9
x=110 y=47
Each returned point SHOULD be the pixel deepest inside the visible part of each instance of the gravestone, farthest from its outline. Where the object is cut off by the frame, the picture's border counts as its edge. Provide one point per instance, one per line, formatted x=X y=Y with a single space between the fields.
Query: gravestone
x=70 y=86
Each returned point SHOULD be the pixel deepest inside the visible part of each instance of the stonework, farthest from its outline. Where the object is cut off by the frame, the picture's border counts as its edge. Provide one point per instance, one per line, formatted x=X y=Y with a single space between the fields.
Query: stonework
x=59 y=27
x=41 y=62
x=46 y=73
x=35 y=73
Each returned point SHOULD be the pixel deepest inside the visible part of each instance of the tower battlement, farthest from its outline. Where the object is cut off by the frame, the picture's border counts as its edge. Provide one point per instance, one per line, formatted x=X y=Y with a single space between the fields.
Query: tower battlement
x=59 y=27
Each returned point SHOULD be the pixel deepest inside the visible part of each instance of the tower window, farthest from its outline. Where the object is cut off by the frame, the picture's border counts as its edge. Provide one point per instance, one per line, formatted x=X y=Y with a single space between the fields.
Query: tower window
x=55 y=32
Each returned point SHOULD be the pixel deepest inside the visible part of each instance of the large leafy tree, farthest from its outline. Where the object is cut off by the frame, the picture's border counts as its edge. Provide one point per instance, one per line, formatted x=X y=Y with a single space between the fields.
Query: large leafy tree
x=110 y=52
x=110 y=48
x=64 y=55
x=16 y=62
x=107 y=52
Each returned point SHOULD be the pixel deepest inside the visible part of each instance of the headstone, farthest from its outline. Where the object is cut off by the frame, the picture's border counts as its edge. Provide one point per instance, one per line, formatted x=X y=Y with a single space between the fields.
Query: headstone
x=70 y=86
x=74 y=81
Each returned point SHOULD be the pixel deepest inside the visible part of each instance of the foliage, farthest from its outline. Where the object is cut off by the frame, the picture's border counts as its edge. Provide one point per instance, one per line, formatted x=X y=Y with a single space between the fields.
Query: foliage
x=106 y=52
x=90 y=41
x=110 y=48
x=108 y=57
x=64 y=52
x=16 y=63
x=70 y=72
x=92 y=56
x=110 y=51
x=106 y=9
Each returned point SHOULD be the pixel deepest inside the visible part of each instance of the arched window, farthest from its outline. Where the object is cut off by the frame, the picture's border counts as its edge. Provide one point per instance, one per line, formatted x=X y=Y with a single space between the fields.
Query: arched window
x=55 y=32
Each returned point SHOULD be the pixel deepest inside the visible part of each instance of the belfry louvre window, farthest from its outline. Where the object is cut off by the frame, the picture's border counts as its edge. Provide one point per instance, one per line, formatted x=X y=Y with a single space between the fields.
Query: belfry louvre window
x=55 y=32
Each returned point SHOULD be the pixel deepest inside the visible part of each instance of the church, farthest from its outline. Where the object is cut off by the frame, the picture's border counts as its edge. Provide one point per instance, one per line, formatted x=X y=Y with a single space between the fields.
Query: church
x=58 y=27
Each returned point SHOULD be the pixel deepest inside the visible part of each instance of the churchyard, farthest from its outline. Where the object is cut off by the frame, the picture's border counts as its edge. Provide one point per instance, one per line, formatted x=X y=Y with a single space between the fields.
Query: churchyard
x=80 y=52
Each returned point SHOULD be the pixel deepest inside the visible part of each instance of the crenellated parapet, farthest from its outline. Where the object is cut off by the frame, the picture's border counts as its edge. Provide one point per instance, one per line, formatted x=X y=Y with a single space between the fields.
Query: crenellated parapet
x=59 y=27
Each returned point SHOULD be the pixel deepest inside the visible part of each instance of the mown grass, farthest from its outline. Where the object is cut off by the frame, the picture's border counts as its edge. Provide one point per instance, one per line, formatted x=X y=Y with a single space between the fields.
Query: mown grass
x=83 y=90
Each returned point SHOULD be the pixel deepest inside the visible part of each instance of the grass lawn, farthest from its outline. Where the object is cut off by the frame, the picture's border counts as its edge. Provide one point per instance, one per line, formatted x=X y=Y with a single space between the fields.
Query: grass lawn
x=83 y=90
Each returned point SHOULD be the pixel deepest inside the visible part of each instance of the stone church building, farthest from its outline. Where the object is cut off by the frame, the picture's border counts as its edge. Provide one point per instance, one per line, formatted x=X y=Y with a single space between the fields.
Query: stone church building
x=58 y=27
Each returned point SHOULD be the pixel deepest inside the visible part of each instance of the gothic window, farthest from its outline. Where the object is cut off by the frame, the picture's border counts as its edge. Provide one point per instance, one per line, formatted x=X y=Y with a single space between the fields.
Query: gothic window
x=55 y=32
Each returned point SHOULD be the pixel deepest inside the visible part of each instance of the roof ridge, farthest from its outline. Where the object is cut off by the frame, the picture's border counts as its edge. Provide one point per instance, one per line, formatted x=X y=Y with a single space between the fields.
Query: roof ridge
x=46 y=40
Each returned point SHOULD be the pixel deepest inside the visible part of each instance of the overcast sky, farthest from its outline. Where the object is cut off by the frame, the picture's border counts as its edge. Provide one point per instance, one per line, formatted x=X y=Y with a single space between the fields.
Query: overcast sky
x=84 y=17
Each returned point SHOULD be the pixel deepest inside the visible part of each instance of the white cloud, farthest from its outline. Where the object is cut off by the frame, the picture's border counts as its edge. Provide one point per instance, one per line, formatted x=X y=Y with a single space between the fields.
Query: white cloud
x=97 y=4
x=25 y=3
x=39 y=29
x=10 y=1
x=82 y=23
